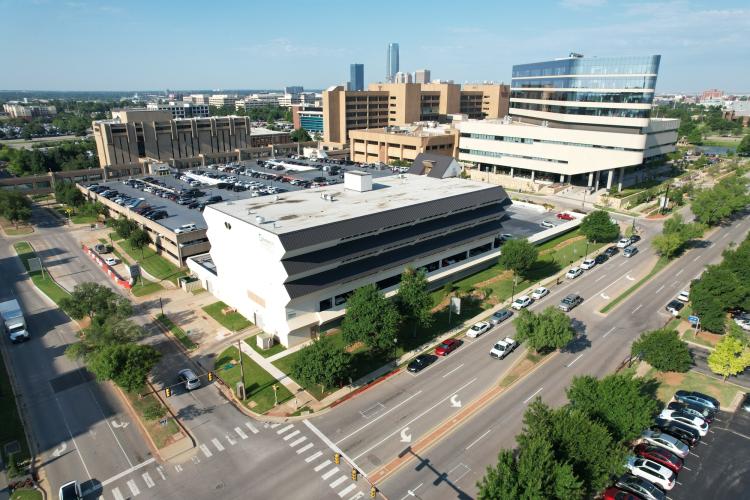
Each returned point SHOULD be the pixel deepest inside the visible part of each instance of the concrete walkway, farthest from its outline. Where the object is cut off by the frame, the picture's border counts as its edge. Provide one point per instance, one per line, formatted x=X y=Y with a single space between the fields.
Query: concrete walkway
x=264 y=363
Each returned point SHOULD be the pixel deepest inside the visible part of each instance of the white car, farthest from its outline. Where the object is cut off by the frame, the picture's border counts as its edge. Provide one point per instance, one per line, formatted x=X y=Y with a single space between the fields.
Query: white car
x=574 y=273
x=649 y=470
x=588 y=264
x=112 y=261
x=666 y=441
x=478 y=329
x=691 y=421
x=683 y=296
x=539 y=293
x=623 y=243
x=521 y=302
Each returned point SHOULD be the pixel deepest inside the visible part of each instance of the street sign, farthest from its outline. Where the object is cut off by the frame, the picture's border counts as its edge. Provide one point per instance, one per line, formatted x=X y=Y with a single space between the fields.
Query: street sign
x=693 y=319
x=456 y=305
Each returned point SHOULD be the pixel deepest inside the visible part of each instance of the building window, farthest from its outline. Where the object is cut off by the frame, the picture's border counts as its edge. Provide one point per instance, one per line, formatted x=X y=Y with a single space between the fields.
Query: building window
x=325 y=305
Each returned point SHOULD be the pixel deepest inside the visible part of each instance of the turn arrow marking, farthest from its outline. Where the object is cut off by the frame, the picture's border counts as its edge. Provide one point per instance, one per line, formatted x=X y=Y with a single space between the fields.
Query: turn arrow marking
x=119 y=425
x=455 y=402
x=628 y=277
x=59 y=451
x=605 y=297
x=405 y=438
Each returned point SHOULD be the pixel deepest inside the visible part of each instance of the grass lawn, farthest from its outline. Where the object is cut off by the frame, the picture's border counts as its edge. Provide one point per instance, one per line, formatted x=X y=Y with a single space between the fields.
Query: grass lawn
x=26 y=494
x=115 y=237
x=233 y=321
x=660 y=264
x=144 y=287
x=176 y=331
x=43 y=282
x=267 y=353
x=154 y=264
x=708 y=340
x=11 y=230
x=669 y=382
x=161 y=434
x=12 y=426
x=258 y=382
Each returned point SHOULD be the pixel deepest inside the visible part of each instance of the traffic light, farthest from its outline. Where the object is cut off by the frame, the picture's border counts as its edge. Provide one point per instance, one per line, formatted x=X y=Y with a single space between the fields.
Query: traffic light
x=373 y=492
x=354 y=474
x=168 y=391
x=337 y=458
x=210 y=376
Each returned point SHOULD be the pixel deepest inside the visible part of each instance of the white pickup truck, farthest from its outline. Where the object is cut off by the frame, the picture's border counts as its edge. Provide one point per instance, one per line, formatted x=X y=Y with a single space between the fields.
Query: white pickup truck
x=503 y=347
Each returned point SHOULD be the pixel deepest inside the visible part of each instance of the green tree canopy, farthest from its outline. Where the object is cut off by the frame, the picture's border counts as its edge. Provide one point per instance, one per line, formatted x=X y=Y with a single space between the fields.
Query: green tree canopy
x=300 y=135
x=518 y=256
x=598 y=227
x=127 y=365
x=414 y=297
x=717 y=290
x=675 y=235
x=371 y=318
x=124 y=227
x=743 y=147
x=322 y=363
x=139 y=239
x=96 y=301
x=664 y=350
x=729 y=357
x=15 y=206
x=67 y=193
x=548 y=330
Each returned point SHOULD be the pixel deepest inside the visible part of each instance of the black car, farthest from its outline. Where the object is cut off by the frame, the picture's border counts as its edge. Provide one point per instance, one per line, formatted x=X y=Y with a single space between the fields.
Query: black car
x=193 y=204
x=640 y=486
x=693 y=410
x=684 y=433
x=601 y=258
x=635 y=239
x=674 y=307
x=420 y=363
x=611 y=251
x=214 y=199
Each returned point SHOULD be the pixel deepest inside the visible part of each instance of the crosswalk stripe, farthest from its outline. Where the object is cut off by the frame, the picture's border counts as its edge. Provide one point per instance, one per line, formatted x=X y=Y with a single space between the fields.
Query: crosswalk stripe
x=178 y=467
x=117 y=494
x=284 y=429
x=231 y=441
x=205 y=450
x=313 y=456
x=273 y=426
x=298 y=441
x=291 y=435
x=347 y=490
x=240 y=433
x=338 y=481
x=147 y=479
x=330 y=473
x=133 y=488
x=322 y=466
x=161 y=473
x=218 y=444
x=254 y=430
x=357 y=496
x=304 y=448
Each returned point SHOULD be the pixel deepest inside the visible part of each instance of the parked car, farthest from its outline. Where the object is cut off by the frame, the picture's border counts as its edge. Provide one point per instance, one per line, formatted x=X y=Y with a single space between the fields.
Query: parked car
x=629 y=251
x=570 y=301
x=477 y=329
x=611 y=251
x=503 y=347
x=500 y=316
x=686 y=434
x=623 y=242
x=420 y=363
x=574 y=273
x=640 y=487
x=697 y=398
x=695 y=410
x=447 y=347
x=112 y=261
x=521 y=302
x=547 y=224
x=565 y=216
x=660 y=456
x=189 y=379
x=693 y=421
x=635 y=238
x=651 y=471
x=601 y=258
x=70 y=491
x=683 y=296
x=539 y=293
x=613 y=493
x=674 y=307
x=588 y=264
x=666 y=441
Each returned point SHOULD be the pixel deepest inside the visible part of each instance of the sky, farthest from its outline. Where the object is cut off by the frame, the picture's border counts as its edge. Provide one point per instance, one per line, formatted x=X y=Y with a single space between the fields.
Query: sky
x=186 y=44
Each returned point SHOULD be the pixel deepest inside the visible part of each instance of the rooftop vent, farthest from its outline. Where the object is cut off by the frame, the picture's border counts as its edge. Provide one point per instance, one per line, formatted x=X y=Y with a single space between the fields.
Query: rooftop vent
x=260 y=219
x=358 y=181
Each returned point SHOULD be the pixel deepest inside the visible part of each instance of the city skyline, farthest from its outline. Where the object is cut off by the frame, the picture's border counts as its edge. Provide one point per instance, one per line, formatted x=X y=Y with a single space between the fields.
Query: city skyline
x=700 y=44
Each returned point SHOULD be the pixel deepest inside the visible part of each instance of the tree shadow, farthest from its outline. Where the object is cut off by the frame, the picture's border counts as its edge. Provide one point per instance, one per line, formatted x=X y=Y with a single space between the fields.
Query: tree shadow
x=578 y=344
x=192 y=412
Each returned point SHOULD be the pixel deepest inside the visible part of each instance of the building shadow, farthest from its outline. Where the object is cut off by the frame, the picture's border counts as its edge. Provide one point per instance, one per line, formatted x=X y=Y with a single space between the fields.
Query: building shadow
x=440 y=477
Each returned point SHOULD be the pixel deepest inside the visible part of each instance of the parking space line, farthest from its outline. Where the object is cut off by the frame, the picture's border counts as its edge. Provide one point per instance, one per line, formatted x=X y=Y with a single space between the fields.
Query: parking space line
x=217 y=444
x=314 y=456
x=347 y=490
x=290 y=436
x=133 y=488
x=205 y=450
x=330 y=473
x=117 y=494
x=240 y=433
x=686 y=468
x=338 y=482
x=322 y=466
x=694 y=454
x=305 y=448
x=147 y=479
x=453 y=370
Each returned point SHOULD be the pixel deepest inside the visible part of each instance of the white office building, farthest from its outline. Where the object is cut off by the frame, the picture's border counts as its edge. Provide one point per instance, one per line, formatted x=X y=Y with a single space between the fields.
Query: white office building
x=181 y=109
x=584 y=121
x=290 y=262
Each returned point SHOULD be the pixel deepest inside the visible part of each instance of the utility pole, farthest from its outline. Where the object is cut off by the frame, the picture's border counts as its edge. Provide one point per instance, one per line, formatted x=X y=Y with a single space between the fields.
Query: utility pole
x=242 y=369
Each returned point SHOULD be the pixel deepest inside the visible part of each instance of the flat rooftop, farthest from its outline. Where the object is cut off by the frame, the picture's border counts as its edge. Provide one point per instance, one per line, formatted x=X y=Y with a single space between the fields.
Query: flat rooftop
x=297 y=210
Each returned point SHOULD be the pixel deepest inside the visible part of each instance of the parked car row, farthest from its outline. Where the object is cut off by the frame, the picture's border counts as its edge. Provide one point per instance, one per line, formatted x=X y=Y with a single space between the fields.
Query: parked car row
x=659 y=454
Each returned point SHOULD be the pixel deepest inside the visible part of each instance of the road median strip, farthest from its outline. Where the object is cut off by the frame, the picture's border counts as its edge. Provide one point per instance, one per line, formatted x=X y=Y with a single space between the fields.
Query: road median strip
x=658 y=267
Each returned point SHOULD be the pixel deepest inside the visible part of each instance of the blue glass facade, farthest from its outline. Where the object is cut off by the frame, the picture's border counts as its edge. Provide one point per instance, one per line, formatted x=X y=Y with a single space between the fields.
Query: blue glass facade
x=392 y=65
x=311 y=123
x=642 y=65
x=356 y=77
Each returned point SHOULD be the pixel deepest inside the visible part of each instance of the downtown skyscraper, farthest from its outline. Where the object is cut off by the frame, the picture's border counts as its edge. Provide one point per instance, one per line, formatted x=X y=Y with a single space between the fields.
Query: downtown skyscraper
x=392 y=66
x=356 y=77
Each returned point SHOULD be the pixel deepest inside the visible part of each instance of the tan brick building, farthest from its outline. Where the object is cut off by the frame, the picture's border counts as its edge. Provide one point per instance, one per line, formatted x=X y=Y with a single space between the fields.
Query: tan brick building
x=401 y=143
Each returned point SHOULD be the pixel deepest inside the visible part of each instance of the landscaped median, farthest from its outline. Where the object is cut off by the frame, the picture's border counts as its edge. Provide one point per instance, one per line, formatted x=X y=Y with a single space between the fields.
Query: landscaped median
x=660 y=264
x=41 y=279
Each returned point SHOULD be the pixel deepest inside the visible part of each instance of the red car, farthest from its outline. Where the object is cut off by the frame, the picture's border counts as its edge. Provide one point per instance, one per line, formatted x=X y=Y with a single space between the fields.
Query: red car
x=447 y=347
x=613 y=493
x=565 y=216
x=660 y=456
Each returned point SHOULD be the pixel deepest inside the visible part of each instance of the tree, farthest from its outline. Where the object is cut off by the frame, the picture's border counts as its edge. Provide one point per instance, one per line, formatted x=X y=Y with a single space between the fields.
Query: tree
x=695 y=137
x=371 y=318
x=127 y=365
x=414 y=298
x=139 y=239
x=667 y=245
x=300 y=135
x=323 y=363
x=551 y=329
x=599 y=228
x=68 y=194
x=623 y=404
x=664 y=350
x=123 y=227
x=15 y=206
x=675 y=235
x=729 y=357
x=518 y=256
x=113 y=330
x=743 y=148
x=717 y=290
x=96 y=301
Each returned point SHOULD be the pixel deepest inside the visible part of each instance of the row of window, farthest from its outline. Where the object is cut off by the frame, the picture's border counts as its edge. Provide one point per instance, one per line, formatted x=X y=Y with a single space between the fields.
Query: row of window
x=614 y=97
x=526 y=140
x=593 y=66
x=574 y=110
x=630 y=82
x=495 y=154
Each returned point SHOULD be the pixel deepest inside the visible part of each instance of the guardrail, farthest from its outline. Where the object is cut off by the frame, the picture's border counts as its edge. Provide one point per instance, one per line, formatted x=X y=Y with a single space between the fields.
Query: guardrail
x=120 y=281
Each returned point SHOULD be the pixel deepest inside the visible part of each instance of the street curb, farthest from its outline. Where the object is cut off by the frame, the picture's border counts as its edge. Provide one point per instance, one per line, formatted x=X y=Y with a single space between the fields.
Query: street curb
x=363 y=388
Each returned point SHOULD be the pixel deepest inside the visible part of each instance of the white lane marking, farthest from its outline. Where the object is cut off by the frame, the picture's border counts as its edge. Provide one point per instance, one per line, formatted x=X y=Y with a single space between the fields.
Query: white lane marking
x=725 y=235
x=572 y=362
x=147 y=479
x=305 y=448
x=465 y=471
x=479 y=438
x=532 y=396
x=694 y=454
x=608 y=332
x=686 y=468
x=67 y=427
x=333 y=447
x=231 y=441
x=284 y=429
x=161 y=473
x=639 y=306
x=357 y=496
x=624 y=262
x=330 y=473
x=660 y=289
x=240 y=433
x=696 y=258
x=372 y=411
x=126 y=472
x=679 y=272
x=381 y=416
x=397 y=431
x=347 y=490
x=117 y=494
x=322 y=466
x=291 y=435
x=273 y=426
x=314 y=456
x=630 y=278
x=217 y=444
x=338 y=482
x=205 y=450
x=600 y=277
x=410 y=493
x=453 y=370
x=298 y=441
x=133 y=488
x=254 y=430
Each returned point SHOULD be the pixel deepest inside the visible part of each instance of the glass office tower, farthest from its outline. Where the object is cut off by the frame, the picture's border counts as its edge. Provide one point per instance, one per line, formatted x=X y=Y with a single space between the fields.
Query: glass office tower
x=392 y=63
x=356 y=77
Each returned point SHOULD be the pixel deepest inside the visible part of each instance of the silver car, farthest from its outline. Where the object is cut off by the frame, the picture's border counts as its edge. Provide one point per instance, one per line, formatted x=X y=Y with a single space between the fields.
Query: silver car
x=666 y=441
x=189 y=379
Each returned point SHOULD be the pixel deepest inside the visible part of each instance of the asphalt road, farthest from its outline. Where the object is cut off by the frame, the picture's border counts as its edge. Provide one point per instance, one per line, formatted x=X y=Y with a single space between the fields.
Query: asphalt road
x=700 y=359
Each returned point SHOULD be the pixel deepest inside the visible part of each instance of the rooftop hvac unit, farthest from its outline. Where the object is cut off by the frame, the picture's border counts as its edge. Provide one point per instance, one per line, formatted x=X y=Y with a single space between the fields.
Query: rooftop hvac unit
x=260 y=219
